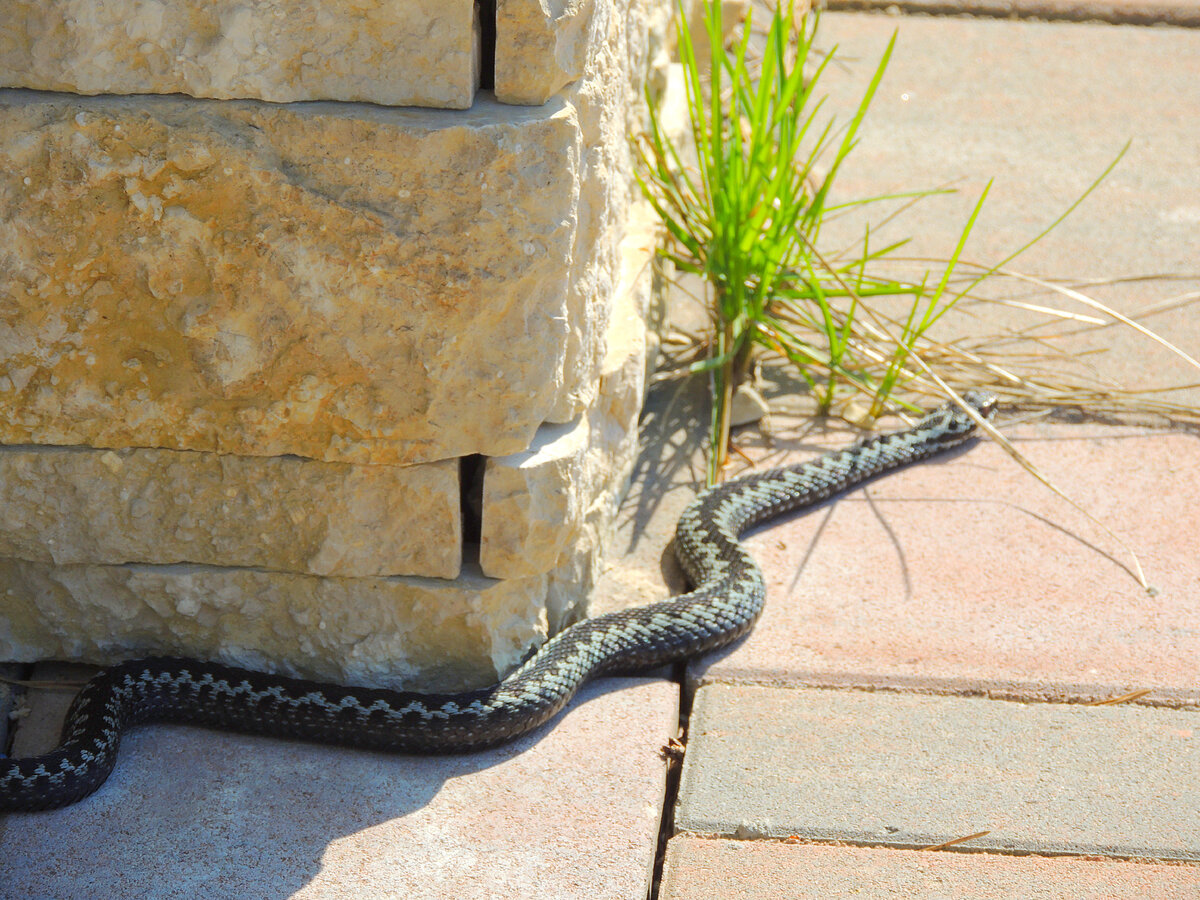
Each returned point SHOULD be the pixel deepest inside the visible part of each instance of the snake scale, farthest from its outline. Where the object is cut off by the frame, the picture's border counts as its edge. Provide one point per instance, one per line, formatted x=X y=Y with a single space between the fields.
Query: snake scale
x=726 y=600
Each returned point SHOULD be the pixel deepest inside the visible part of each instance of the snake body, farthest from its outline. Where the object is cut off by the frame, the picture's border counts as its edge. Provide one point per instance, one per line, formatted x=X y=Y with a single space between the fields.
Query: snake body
x=727 y=598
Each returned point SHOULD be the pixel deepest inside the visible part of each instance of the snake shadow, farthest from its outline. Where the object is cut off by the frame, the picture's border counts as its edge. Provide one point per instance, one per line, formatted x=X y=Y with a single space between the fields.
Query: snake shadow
x=697 y=668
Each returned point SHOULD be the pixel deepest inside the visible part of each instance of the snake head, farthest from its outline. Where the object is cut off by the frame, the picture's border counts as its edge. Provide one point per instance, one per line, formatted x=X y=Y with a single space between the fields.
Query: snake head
x=949 y=424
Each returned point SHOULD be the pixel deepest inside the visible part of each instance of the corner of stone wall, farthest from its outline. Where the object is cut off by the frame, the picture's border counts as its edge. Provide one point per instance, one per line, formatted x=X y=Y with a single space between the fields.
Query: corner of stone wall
x=234 y=407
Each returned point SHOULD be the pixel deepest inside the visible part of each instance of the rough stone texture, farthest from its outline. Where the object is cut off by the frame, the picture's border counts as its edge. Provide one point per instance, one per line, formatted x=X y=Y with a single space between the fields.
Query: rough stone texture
x=914 y=771
x=699 y=869
x=535 y=502
x=569 y=812
x=613 y=422
x=343 y=282
x=609 y=104
x=531 y=502
x=158 y=505
x=403 y=632
x=78 y=505
x=391 y=52
x=966 y=573
x=544 y=45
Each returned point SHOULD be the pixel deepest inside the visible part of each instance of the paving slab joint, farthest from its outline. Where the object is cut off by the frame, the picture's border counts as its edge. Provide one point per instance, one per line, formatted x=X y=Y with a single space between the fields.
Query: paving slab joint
x=673 y=753
x=1113 y=12
x=751 y=835
x=1065 y=694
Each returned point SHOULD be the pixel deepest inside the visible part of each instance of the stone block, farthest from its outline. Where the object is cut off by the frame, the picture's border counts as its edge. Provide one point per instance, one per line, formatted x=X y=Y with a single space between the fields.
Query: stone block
x=608 y=101
x=546 y=515
x=69 y=505
x=341 y=282
x=544 y=45
x=402 y=53
x=404 y=632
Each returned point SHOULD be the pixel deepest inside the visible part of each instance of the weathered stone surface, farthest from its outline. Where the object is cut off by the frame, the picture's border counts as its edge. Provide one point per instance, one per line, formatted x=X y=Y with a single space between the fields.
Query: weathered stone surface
x=342 y=282
x=403 y=632
x=531 y=502
x=551 y=508
x=613 y=423
x=79 y=505
x=609 y=103
x=544 y=45
x=407 y=53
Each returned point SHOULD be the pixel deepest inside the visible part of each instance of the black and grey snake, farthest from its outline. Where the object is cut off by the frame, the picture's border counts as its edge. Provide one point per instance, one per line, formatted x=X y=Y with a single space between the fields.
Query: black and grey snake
x=727 y=599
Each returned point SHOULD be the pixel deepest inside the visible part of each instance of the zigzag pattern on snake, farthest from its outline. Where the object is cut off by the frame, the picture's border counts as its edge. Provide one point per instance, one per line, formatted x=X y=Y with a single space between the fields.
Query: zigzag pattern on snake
x=727 y=598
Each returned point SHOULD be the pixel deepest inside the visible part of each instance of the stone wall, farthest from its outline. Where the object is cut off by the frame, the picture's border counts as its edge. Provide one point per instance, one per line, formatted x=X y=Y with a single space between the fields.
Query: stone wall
x=256 y=358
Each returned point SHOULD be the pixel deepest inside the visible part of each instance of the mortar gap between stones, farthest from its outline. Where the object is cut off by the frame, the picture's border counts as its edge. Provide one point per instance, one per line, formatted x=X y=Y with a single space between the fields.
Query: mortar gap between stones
x=487 y=43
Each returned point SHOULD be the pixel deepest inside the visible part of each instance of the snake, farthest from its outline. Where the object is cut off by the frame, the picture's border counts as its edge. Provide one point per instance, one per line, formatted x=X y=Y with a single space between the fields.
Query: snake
x=727 y=597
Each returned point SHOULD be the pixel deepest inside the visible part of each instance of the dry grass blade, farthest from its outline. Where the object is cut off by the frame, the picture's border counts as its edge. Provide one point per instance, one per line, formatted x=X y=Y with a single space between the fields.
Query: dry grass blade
x=1124 y=698
x=1028 y=466
x=45 y=685
x=1107 y=310
x=960 y=840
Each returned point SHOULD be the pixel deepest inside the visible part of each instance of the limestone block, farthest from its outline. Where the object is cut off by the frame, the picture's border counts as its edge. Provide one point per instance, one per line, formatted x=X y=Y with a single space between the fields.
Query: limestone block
x=417 y=633
x=340 y=282
x=79 y=505
x=532 y=502
x=542 y=46
x=392 y=52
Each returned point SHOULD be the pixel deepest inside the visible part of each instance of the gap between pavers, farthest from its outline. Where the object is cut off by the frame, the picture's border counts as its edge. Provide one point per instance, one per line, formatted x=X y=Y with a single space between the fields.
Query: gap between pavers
x=703 y=869
x=570 y=811
x=915 y=771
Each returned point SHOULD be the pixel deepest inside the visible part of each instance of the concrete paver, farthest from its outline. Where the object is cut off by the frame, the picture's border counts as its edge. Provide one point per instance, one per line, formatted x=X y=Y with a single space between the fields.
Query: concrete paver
x=701 y=869
x=1132 y=12
x=572 y=811
x=1042 y=108
x=965 y=573
x=916 y=771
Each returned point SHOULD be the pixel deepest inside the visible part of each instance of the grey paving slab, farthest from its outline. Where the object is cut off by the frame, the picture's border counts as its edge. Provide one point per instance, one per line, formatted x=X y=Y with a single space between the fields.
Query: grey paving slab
x=1041 y=108
x=967 y=574
x=916 y=771
x=701 y=869
x=572 y=811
